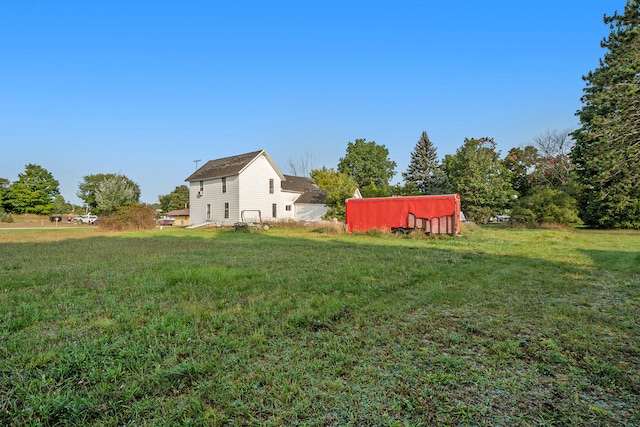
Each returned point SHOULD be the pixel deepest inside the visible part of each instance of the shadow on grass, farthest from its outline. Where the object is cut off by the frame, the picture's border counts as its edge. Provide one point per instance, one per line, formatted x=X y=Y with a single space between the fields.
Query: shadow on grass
x=624 y=262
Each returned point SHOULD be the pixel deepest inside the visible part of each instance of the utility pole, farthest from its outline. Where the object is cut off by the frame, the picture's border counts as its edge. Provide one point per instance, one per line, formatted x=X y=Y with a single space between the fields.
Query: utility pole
x=197 y=163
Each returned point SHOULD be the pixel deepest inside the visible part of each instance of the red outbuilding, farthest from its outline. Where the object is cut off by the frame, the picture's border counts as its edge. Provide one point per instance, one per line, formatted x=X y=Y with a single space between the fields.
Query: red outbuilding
x=431 y=214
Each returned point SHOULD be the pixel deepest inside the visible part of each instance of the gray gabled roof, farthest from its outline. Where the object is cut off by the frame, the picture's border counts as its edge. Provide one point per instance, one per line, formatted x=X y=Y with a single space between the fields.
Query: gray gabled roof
x=178 y=212
x=310 y=192
x=228 y=166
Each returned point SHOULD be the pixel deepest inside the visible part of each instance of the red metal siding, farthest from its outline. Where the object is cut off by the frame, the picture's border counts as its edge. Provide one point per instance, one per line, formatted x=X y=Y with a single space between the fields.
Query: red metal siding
x=442 y=213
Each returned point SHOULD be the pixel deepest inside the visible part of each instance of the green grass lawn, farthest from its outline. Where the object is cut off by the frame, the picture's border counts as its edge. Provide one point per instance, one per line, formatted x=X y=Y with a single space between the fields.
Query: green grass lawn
x=295 y=327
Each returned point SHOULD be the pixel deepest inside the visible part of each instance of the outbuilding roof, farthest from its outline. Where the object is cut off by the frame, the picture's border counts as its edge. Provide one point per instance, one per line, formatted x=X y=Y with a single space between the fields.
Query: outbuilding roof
x=311 y=193
x=179 y=212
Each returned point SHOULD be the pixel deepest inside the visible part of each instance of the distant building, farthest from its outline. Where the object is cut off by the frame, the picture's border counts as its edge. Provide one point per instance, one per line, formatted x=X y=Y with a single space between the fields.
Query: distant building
x=181 y=217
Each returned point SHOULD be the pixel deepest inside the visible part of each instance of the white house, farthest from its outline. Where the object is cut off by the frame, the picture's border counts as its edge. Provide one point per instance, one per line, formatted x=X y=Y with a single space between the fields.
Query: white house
x=221 y=190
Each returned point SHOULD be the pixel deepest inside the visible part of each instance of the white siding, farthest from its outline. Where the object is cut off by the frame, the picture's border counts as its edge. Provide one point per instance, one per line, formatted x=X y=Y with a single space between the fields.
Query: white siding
x=212 y=195
x=196 y=204
x=248 y=191
x=288 y=199
x=310 y=211
x=254 y=190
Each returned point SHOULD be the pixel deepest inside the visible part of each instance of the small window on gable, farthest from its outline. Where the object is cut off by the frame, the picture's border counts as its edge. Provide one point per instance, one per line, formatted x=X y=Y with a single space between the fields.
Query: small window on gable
x=271 y=186
x=224 y=184
x=201 y=188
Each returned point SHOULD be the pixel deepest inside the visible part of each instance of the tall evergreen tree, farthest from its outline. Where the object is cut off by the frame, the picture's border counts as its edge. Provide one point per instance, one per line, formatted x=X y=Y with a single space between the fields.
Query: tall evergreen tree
x=424 y=171
x=607 y=148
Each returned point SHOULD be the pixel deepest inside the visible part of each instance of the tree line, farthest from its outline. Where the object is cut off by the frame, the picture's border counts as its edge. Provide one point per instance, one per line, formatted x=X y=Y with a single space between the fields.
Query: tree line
x=590 y=175
x=113 y=196
x=36 y=191
x=533 y=183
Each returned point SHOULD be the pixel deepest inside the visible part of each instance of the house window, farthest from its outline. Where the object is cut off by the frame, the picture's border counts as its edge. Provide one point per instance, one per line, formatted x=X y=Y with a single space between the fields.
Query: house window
x=287 y=208
x=271 y=186
x=226 y=210
x=224 y=184
x=208 y=212
x=201 y=192
x=274 y=210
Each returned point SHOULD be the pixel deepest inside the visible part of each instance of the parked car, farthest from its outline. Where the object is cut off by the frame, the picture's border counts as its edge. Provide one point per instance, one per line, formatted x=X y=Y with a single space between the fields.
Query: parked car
x=165 y=221
x=85 y=219
x=499 y=218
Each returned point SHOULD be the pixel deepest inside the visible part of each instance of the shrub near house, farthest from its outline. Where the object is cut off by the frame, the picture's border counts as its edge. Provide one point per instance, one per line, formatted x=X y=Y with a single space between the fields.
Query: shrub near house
x=136 y=216
x=547 y=206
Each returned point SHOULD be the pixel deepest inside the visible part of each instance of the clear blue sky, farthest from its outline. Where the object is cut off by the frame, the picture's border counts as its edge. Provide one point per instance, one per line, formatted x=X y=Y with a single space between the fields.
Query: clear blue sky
x=144 y=88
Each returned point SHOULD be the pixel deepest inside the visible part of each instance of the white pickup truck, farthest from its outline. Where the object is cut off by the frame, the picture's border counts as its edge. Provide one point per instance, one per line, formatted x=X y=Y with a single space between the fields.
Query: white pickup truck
x=85 y=219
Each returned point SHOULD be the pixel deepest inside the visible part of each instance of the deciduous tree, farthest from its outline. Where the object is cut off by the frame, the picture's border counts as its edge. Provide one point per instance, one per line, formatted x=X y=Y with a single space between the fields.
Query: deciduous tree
x=405 y=189
x=114 y=192
x=301 y=166
x=338 y=186
x=177 y=199
x=370 y=167
x=33 y=192
x=607 y=145
x=554 y=165
x=480 y=177
x=4 y=190
x=90 y=185
x=523 y=164
x=61 y=205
